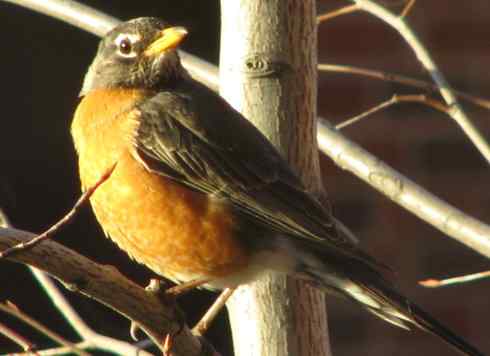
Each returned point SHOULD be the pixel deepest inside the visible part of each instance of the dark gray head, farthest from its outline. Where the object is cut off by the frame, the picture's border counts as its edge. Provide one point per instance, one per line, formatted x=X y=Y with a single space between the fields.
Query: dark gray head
x=139 y=53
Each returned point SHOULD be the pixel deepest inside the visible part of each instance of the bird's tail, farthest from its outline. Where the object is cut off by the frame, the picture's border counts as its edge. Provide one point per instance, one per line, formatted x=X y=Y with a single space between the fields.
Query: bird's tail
x=360 y=282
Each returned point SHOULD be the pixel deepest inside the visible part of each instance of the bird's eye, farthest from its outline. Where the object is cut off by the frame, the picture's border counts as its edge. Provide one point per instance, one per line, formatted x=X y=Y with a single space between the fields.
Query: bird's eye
x=125 y=46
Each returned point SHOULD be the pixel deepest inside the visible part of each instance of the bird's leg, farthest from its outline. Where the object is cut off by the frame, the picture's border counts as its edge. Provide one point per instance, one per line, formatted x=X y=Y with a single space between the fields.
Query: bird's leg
x=154 y=287
x=167 y=296
x=184 y=288
x=202 y=326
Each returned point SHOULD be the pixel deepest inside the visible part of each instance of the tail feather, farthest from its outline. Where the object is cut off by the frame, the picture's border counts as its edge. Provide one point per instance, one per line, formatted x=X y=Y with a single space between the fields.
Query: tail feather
x=418 y=317
x=364 y=285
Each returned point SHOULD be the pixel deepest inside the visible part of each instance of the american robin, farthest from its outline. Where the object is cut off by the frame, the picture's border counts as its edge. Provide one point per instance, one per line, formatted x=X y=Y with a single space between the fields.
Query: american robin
x=198 y=193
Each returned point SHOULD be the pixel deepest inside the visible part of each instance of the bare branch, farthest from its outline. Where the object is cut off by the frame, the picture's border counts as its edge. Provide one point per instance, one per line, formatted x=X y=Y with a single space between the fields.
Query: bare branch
x=17 y=313
x=56 y=351
x=17 y=338
x=106 y=285
x=407 y=8
x=395 y=99
x=72 y=12
x=90 y=338
x=449 y=220
x=435 y=283
x=401 y=79
x=332 y=14
x=424 y=57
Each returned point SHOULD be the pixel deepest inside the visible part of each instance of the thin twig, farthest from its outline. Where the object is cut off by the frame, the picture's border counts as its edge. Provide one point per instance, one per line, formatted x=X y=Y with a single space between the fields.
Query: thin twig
x=62 y=222
x=107 y=286
x=91 y=339
x=57 y=351
x=11 y=309
x=94 y=339
x=395 y=99
x=407 y=8
x=332 y=14
x=436 y=283
x=424 y=57
x=400 y=79
x=202 y=326
x=17 y=338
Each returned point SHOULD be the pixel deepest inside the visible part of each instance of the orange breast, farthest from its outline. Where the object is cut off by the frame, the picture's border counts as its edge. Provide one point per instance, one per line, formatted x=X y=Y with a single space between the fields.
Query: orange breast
x=178 y=233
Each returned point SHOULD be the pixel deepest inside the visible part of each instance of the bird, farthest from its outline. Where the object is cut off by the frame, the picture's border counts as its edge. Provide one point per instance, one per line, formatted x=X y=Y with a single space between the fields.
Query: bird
x=198 y=193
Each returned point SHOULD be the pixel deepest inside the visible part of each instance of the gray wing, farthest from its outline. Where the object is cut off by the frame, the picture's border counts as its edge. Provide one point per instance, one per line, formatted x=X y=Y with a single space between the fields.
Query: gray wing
x=194 y=137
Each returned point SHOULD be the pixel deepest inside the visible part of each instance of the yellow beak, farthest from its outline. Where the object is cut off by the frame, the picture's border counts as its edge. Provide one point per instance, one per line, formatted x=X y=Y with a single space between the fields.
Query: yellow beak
x=168 y=39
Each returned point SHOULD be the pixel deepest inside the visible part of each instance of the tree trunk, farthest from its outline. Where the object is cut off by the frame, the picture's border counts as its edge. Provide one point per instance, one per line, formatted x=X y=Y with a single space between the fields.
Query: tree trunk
x=268 y=72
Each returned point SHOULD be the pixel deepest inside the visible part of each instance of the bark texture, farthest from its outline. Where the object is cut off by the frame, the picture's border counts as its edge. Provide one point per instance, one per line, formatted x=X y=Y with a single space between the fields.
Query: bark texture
x=268 y=72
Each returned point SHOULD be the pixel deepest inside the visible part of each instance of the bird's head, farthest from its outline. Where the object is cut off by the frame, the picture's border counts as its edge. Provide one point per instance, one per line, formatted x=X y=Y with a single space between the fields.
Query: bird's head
x=139 y=53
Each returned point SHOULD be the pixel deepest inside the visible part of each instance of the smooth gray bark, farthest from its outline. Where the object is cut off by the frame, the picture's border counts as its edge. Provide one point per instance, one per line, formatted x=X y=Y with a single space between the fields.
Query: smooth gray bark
x=268 y=72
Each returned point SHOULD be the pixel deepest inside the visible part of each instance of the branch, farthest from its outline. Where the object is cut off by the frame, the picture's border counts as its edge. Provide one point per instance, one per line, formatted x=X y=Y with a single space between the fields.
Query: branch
x=436 y=283
x=11 y=309
x=400 y=79
x=202 y=325
x=106 y=285
x=18 y=339
x=335 y=13
x=395 y=99
x=268 y=72
x=90 y=338
x=444 y=217
x=56 y=351
x=407 y=8
x=456 y=112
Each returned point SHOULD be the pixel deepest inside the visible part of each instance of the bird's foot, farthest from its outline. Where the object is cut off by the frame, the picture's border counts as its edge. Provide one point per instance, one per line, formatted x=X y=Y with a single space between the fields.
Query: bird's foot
x=133 y=330
x=181 y=289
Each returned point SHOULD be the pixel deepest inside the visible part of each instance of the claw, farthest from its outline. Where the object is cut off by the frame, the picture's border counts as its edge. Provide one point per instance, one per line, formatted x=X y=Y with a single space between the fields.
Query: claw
x=133 y=330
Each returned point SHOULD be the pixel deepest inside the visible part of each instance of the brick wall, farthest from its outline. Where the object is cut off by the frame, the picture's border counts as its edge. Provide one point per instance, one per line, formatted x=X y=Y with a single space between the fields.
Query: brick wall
x=421 y=143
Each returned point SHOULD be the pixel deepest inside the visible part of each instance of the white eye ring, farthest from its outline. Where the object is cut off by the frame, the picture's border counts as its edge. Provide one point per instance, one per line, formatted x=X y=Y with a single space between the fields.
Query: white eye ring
x=125 y=43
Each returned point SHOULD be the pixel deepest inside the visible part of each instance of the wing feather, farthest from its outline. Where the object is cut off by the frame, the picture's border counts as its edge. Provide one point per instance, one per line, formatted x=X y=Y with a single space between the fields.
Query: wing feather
x=193 y=136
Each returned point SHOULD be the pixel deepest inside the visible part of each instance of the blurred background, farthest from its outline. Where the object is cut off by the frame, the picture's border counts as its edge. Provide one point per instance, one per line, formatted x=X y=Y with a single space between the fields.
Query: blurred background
x=43 y=62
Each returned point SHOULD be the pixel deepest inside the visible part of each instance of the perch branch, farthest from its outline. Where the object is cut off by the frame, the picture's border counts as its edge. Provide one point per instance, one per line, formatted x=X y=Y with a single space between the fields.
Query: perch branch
x=90 y=338
x=106 y=285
